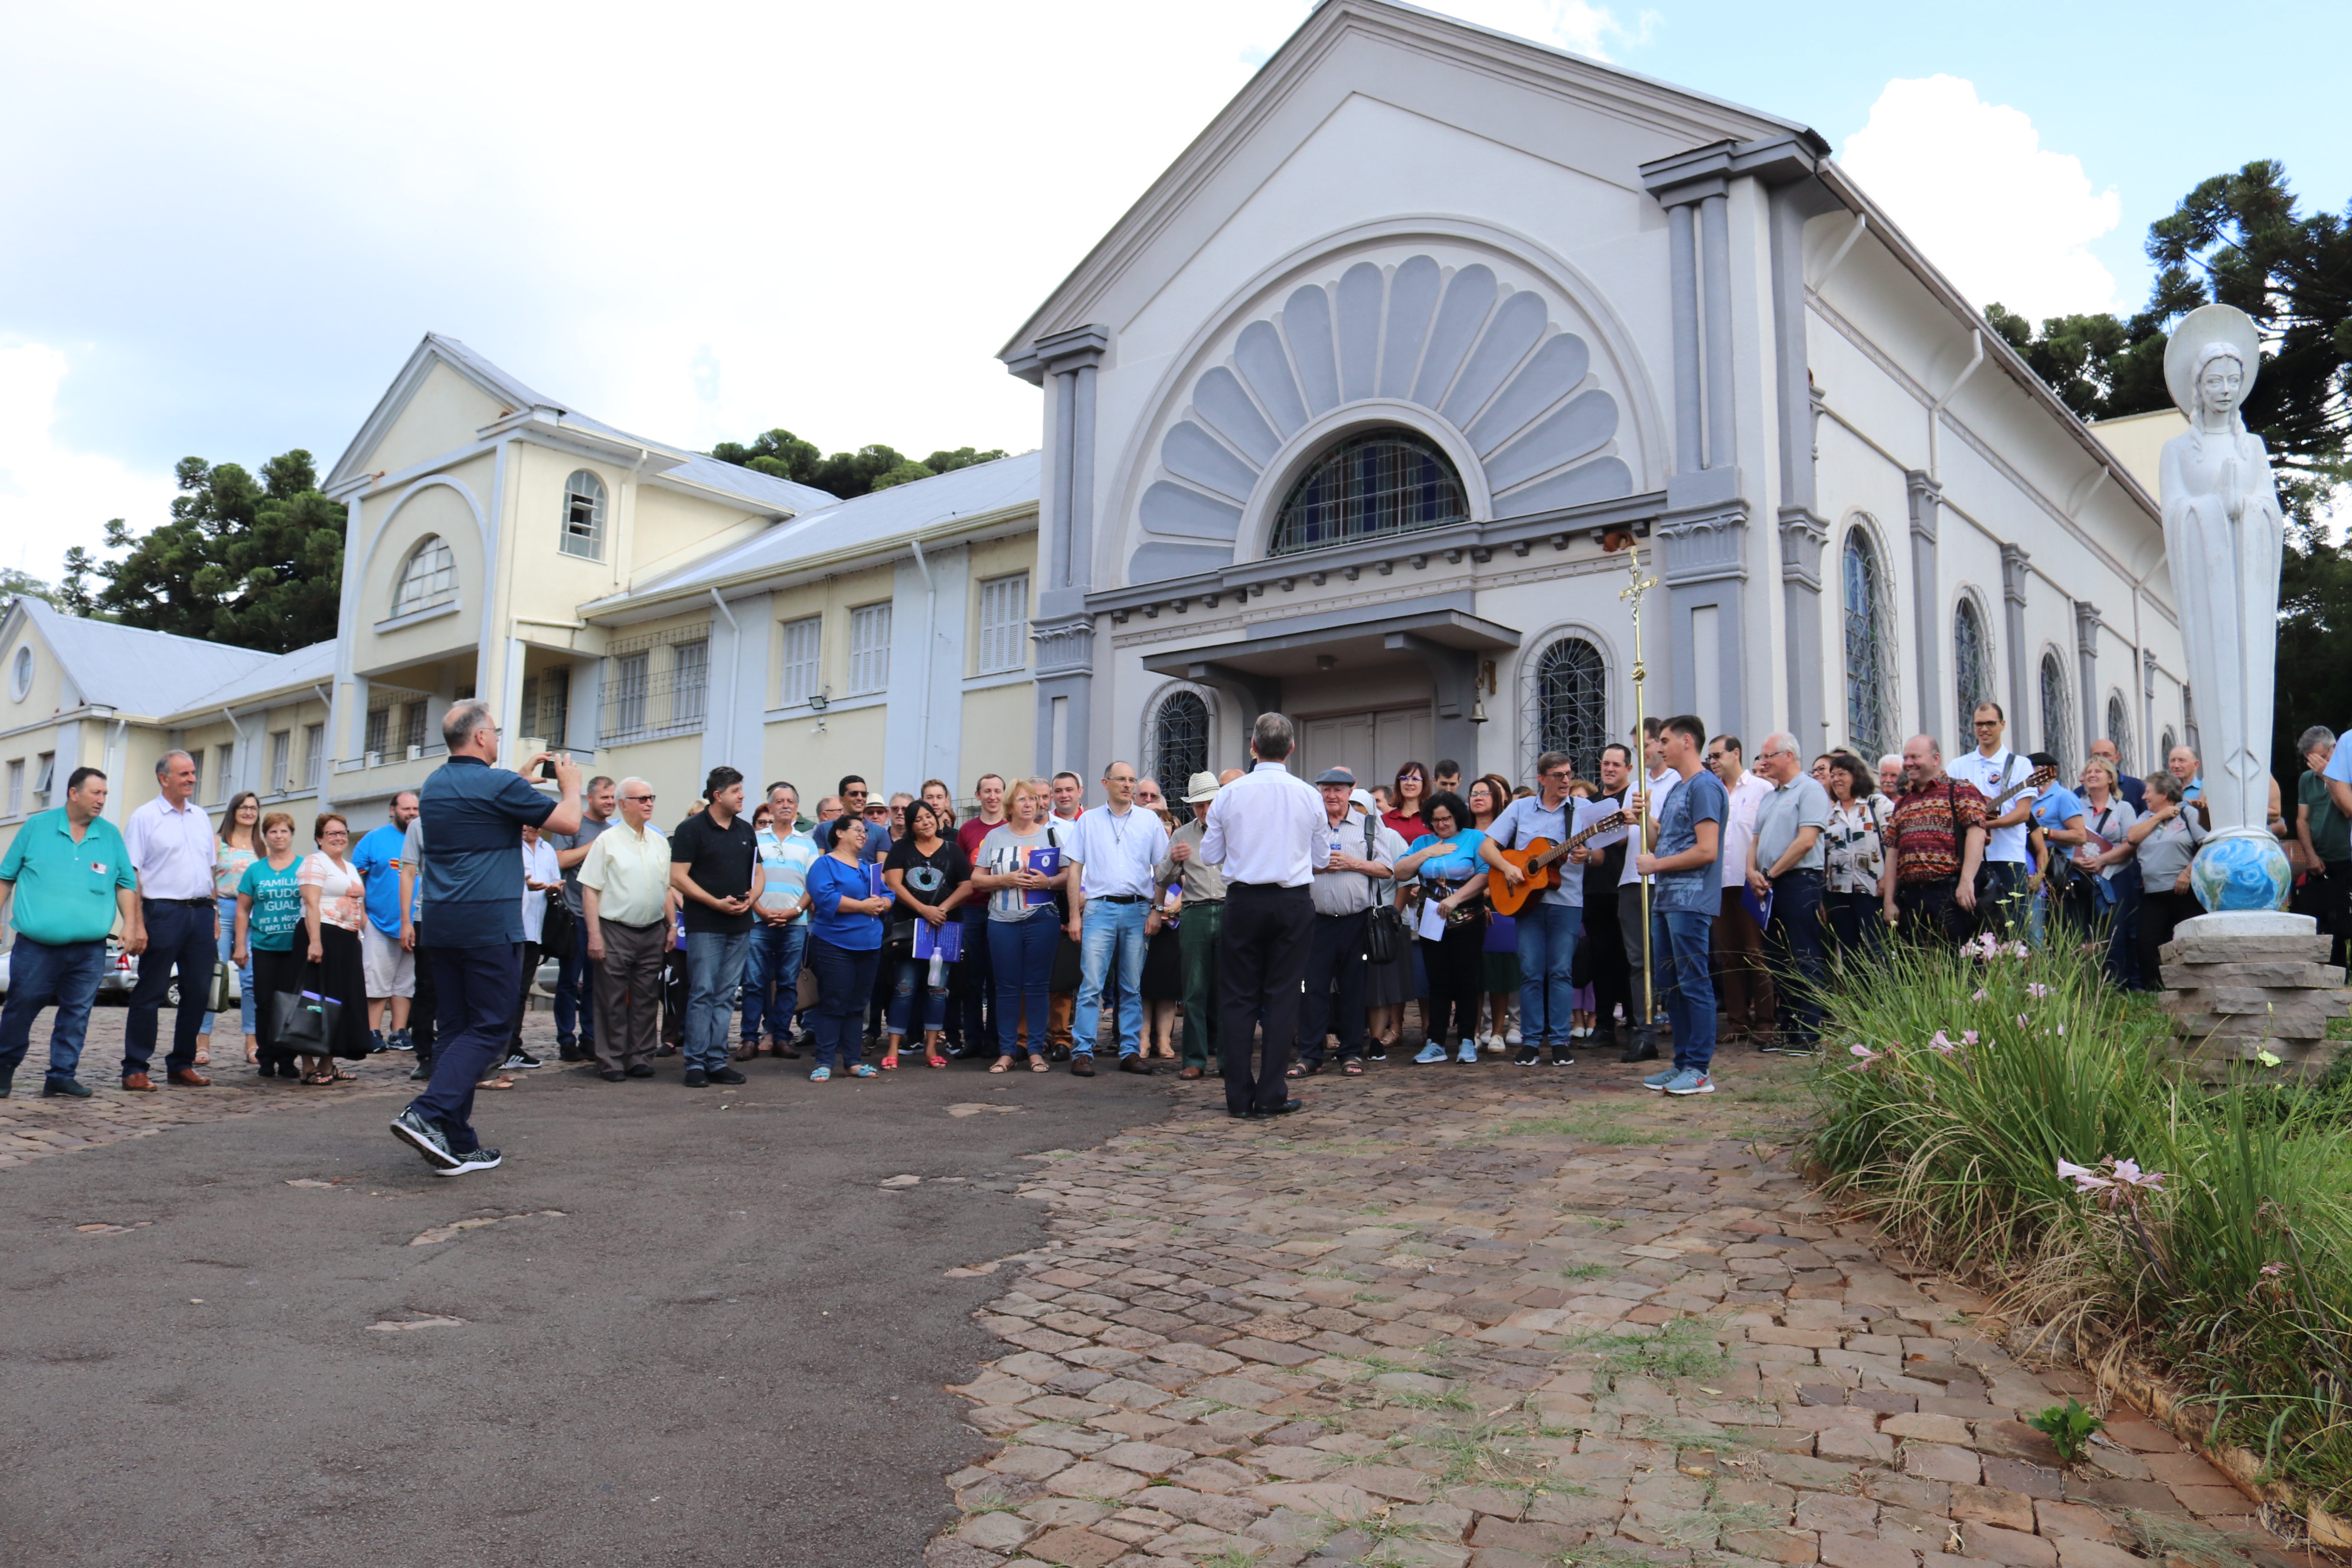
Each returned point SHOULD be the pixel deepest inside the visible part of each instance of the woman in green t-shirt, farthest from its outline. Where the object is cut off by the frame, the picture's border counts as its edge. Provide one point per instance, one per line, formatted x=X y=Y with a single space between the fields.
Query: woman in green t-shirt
x=269 y=913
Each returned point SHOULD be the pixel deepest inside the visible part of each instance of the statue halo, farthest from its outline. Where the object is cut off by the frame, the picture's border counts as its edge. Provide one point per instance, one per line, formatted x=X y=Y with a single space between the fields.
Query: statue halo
x=2203 y=332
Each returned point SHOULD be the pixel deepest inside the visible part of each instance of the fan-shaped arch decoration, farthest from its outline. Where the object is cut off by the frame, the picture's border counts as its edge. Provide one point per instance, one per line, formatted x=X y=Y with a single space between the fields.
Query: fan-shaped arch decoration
x=1479 y=359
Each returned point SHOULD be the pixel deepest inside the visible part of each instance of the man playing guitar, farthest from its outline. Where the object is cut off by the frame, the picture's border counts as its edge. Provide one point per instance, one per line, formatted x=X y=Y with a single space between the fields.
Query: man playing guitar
x=1549 y=925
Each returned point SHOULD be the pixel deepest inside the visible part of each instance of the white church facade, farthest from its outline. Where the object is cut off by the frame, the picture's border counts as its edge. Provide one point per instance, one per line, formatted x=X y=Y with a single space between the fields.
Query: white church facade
x=1334 y=420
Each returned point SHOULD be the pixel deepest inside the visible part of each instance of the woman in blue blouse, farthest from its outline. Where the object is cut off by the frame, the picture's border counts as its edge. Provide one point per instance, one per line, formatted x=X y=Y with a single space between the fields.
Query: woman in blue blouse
x=1447 y=860
x=845 y=949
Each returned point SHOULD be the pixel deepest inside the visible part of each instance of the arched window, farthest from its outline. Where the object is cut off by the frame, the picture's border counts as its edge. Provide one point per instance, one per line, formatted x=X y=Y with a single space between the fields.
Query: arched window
x=1869 y=663
x=1570 y=704
x=1971 y=660
x=1180 y=742
x=2171 y=741
x=2054 y=713
x=430 y=577
x=1390 y=481
x=583 y=515
x=2119 y=727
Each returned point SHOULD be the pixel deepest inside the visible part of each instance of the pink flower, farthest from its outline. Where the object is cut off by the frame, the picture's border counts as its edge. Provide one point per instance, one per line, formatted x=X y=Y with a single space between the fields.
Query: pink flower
x=1867 y=1059
x=2085 y=1180
x=1967 y=1036
x=2273 y=1270
x=2127 y=1172
x=2037 y=990
x=2018 y=950
x=2021 y=1020
x=1977 y=997
x=1942 y=1043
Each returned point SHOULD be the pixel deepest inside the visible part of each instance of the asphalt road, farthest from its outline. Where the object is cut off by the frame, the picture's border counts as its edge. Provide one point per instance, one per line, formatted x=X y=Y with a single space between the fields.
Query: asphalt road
x=727 y=1347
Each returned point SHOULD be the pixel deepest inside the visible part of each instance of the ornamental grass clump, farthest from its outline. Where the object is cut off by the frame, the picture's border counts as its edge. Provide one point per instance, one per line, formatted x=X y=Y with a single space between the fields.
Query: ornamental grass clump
x=2006 y=1113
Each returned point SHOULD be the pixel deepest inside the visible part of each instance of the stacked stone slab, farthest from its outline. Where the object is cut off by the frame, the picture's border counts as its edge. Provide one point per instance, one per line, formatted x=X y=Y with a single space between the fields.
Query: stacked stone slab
x=2233 y=995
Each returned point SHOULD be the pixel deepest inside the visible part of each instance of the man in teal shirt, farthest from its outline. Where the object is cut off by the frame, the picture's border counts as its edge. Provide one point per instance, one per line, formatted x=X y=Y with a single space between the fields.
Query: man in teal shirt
x=71 y=877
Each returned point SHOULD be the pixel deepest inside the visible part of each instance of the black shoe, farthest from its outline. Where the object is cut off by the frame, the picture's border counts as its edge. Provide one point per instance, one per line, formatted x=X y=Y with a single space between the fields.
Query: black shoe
x=1641 y=1048
x=376 y=1046
x=473 y=1160
x=1083 y=1066
x=570 y=1054
x=1560 y=1058
x=420 y=1073
x=424 y=1135
x=612 y=1075
x=64 y=1088
x=1285 y=1109
x=519 y=1058
x=1136 y=1065
x=1377 y=1053
x=696 y=1079
x=1240 y=1115
x=727 y=1075
x=1527 y=1055
x=638 y=1070
x=1057 y=1053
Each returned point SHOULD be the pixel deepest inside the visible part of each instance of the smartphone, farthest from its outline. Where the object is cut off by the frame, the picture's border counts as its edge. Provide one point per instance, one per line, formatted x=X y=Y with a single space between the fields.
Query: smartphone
x=546 y=770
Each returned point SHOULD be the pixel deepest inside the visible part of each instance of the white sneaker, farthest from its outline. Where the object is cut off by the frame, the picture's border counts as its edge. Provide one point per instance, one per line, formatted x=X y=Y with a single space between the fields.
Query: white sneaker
x=1493 y=1044
x=1511 y=1036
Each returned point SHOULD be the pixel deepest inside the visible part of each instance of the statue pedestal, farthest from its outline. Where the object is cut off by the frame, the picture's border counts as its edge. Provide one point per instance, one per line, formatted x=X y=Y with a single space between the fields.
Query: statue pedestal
x=2246 y=982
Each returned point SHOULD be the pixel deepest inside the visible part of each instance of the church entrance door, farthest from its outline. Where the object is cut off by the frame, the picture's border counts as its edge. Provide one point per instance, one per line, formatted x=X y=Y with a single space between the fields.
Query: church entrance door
x=1372 y=745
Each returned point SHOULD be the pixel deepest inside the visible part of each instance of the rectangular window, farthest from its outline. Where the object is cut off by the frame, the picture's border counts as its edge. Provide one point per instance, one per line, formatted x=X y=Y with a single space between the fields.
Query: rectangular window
x=1003 y=623
x=378 y=731
x=869 y=649
x=555 y=706
x=281 y=757
x=803 y=640
x=224 y=775
x=314 y=754
x=44 y=780
x=412 y=727
x=15 y=787
x=629 y=692
x=690 y=684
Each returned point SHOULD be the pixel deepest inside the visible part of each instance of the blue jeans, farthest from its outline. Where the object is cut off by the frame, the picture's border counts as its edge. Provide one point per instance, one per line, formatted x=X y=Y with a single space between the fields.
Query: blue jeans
x=844 y=979
x=228 y=944
x=1681 y=942
x=911 y=991
x=2123 y=941
x=1793 y=948
x=40 y=974
x=771 y=980
x=714 y=978
x=1020 y=955
x=178 y=935
x=1548 y=935
x=575 y=996
x=474 y=991
x=1110 y=933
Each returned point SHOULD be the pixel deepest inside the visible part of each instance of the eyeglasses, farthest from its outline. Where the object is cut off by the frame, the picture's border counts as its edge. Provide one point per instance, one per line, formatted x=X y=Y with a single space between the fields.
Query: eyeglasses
x=637 y=799
x=1560 y=774
x=1988 y=724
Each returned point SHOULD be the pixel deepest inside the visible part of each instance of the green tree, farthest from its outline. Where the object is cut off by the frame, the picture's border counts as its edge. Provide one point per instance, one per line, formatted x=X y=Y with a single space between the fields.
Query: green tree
x=784 y=456
x=255 y=562
x=15 y=585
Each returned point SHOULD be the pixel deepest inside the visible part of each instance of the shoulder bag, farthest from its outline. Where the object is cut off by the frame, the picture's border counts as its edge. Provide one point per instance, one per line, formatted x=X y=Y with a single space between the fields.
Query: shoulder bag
x=304 y=1022
x=1384 y=931
x=558 y=928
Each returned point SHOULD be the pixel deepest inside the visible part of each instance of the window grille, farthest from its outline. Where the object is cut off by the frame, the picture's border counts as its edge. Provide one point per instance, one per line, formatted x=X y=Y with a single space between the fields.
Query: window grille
x=547 y=705
x=1570 y=704
x=1180 y=740
x=225 y=775
x=1003 y=623
x=2119 y=727
x=654 y=685
x=869 y=649
x=1868 y=660
x=1971 y=661
x=430 y=578
x=2054 y=713
x=1390 y=481
x=411 y=726
x=314 y=754
x=803 y=642
x=378 y=731
x=690 y=690
x=281 y=755
x=15 y=786
x=44 y=780
x=583 y=516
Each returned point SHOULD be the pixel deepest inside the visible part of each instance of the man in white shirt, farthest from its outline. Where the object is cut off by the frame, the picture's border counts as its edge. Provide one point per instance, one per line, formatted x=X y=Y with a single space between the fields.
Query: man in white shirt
x=1114 y=848
x=1651 y=802
x=173 y=849
x=1549 y=924
x=1353 y=879
x=1269 y=832
x=1992 y=768
x=1748 y=1003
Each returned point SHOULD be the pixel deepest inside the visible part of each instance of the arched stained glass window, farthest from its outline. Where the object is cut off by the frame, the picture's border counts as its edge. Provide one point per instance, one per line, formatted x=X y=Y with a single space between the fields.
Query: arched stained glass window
x=1180 y=742
x=1389 y=481
x=2119 y=727
x=2055 y=727
x=583 y=515
x=1971 y=660
x=1869 y=661
x=430 y=577
x=1570 y=704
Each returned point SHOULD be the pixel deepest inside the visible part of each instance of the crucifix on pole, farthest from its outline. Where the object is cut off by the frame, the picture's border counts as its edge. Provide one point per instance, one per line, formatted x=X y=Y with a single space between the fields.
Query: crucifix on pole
x=1639 y=584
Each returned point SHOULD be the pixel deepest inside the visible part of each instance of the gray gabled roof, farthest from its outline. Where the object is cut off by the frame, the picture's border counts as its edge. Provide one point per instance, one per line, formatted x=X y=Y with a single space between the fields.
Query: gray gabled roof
x=311 y=666
x=139 y=672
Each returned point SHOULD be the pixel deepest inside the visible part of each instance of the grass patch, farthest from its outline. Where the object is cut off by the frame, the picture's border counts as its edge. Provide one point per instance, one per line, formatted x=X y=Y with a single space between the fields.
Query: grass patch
x=1685 y=1347
x=1594 y=1127
x=2233 y=1273
x=1586 y=1270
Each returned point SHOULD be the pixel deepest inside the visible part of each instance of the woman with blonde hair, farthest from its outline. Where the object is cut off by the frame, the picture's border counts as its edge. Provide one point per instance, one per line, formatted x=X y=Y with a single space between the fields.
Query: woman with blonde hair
x=1024 y=928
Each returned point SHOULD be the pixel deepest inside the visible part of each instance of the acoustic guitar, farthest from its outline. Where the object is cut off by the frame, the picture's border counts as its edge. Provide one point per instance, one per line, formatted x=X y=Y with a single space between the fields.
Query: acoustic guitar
x=1541 y=861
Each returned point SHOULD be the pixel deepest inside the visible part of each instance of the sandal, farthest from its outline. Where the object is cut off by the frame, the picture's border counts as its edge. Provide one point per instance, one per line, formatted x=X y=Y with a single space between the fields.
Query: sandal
x=1002 y=1064
x=821 y=1075
x=890 y=1062
x=864 y=1069
x=501 y=1082
x=1352 y=1068
x=1039 y=1064
x=935 y=1061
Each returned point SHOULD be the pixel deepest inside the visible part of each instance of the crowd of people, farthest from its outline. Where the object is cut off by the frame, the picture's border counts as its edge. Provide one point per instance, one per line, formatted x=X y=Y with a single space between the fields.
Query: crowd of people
x=1258 y=926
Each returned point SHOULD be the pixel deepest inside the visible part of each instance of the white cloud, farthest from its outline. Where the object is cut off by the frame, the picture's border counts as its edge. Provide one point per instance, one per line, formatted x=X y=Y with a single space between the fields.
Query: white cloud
x=52 y=498
x=2006 y=218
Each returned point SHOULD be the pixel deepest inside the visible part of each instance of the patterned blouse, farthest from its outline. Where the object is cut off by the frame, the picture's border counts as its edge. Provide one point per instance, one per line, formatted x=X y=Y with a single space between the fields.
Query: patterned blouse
x=343 y=892
x=1855 y=854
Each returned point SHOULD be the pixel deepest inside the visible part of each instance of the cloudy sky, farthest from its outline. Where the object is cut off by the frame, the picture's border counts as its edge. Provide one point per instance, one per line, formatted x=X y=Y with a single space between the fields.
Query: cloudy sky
x=227 y=225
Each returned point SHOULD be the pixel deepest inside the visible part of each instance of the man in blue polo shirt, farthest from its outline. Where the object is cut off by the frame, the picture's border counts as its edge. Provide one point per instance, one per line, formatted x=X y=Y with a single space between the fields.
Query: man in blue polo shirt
x=1685 y=903
x=71 y=875
x=473 y=816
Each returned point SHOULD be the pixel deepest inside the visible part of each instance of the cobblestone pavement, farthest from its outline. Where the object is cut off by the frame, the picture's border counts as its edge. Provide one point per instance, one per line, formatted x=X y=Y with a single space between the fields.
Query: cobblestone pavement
x=32 y=1126
x=1455 y=1316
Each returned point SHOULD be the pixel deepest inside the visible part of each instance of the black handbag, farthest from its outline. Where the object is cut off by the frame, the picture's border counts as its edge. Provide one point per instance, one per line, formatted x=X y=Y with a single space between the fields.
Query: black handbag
x=1384 y=931
x=558 y=929
x=303 y=1022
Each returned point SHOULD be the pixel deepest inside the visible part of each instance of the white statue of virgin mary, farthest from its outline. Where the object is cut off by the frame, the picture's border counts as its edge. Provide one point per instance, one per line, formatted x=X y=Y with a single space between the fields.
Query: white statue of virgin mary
x=2222 y=532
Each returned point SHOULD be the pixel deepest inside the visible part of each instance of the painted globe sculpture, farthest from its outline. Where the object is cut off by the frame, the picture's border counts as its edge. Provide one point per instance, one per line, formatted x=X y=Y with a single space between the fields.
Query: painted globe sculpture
x=2241 y=873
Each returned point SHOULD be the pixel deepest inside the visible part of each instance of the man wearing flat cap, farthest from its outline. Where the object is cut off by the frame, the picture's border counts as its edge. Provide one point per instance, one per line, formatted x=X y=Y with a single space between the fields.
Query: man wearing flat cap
x=1363 y=847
